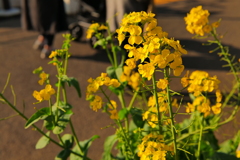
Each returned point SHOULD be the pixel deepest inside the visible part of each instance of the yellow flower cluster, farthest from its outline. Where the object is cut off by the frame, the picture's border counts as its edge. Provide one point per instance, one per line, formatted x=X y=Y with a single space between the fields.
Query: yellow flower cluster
x=151 y=114
x=133 y=78
x=44 y=94
x=112 y=106
x=94 y=85
x=153 y=148
x=199 y=83
x=94 y=28
x=43 y=77
x=197 y=21
x=150 y=43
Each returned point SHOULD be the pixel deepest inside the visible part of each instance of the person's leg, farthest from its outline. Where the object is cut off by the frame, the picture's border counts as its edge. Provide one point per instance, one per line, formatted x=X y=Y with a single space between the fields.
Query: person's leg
x=48 y=46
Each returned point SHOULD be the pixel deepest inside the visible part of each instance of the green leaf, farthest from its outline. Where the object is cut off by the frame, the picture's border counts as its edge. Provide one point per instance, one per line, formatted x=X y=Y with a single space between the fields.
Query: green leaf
x=49 y=122
x=108 y=145
x=85 y=145
x=101 y=42
x=62 y=122
x=40 y=114
x=37 y=70
x=61 y=105
x=73 y=82
x=111 y=72
x=43 y=141
x=63 y=155
x=67 y=140
x=118 y=72
x=137 y=117
x=122 y=113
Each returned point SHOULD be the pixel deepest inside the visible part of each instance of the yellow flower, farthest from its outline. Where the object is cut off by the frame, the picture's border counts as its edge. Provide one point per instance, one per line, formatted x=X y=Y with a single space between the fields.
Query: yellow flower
x=114 y=114
x=94 y=28
x=217 y=108
x=238 y=151
x=196 y=19
x=44 y=94
x=96 y=103
x=207 y=28
x=190 y=108
x=43 y=77
x=215 y=24
x=146 y=70
x=162 y=83
x=53 y=54
x=115 y=83
x=131 y=63
x=112 y=104
x=185 y=80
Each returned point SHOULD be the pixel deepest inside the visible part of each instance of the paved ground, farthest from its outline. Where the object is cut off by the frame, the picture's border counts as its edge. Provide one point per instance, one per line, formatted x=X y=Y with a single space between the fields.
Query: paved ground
x=17 y=58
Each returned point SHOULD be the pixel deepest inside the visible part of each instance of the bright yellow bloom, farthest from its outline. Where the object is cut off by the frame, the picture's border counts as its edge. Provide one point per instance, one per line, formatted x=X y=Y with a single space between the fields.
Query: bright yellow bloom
x=196 y=20
x=146 y=70
x=185 y=80
x=217 y=108
x=94 y=28
x=153 y=148
x=115 y=83
x=114 y=114
x=131 y=63
x=43 y=77
x=112 y=104
x=162 y=84
x=44 y=94
x=53 y=54
x=215 y=24
x=96 y=103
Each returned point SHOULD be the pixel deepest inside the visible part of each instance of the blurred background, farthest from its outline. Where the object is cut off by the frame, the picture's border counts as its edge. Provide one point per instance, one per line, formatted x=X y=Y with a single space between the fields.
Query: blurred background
x=19 y=59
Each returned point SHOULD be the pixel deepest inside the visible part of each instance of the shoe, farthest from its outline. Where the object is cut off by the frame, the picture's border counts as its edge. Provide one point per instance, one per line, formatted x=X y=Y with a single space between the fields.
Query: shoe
x=38 y=45
x=45 y=53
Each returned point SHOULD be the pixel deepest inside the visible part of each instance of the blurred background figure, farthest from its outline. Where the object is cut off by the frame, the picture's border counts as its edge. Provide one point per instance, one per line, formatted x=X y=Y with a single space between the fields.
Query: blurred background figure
x=46 y=17
x=117 y=8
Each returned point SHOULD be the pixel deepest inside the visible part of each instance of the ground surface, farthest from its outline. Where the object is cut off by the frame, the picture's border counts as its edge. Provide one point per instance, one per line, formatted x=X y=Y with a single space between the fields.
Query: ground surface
x=17 y=58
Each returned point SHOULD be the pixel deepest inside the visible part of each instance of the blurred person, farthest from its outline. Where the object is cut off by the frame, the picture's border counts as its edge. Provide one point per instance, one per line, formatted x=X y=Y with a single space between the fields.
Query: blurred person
x=117 y=8
x=47 y=17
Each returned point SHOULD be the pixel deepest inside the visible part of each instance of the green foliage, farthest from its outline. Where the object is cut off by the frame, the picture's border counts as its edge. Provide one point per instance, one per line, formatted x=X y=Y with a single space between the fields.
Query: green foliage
x=40 y=114
x=108 y=145
x=84 y=145
x=43 y=141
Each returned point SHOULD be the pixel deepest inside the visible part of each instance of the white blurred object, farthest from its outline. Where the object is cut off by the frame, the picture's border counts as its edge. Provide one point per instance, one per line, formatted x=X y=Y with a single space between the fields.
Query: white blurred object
x=7 y=9
x=71 y=6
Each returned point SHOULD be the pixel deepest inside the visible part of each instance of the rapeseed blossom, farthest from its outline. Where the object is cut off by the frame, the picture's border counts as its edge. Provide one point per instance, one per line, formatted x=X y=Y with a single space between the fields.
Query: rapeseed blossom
x=199 y=83
x=44 y=94
x=197 y=21
x=43 y=77
x=152 y=147
x=147 y=40
x=94 y=28
x=94 y=85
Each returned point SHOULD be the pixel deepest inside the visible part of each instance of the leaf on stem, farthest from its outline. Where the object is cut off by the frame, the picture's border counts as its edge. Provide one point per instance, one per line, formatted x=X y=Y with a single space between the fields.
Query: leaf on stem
x=43 y=141
x=85 y=145
x=40 y=114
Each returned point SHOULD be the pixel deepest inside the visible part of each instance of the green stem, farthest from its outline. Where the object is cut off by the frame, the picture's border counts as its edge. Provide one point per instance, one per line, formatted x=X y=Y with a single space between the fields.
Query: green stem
x=226 y=56
x=123 y=104
x=156 y=100
x=166 y=75
x=126 y=139
x=211 y=127
x=75 y=136
x=39 y=130
x=200 y=140
x=109 y=57
x=133 y=100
